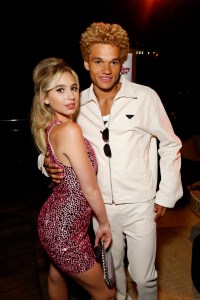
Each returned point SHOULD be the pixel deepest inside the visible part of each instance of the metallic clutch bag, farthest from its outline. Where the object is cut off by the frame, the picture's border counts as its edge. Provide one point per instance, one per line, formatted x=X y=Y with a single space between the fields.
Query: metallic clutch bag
x=104 y=256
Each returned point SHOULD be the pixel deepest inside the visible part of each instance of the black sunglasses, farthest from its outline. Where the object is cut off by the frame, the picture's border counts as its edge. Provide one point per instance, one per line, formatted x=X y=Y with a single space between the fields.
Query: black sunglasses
x=105 y=137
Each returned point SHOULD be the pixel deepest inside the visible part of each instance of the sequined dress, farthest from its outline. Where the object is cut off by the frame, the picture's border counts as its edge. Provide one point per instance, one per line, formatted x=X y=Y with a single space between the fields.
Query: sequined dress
x=64 y=219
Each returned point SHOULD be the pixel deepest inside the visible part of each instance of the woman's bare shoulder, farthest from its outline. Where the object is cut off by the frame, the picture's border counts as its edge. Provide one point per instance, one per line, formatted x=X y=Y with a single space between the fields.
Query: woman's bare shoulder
x=70 y=130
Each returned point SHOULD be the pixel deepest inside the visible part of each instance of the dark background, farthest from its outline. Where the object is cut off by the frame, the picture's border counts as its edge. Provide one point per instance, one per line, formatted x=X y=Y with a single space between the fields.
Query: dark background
x=33 y=31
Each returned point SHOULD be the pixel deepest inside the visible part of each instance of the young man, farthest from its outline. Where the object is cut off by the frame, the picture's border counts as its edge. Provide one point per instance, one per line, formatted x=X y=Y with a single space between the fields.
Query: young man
x=123 y=121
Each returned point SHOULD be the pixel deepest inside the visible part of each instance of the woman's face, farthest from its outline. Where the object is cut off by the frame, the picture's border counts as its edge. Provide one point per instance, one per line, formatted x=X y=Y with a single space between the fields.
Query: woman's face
x=64 y=97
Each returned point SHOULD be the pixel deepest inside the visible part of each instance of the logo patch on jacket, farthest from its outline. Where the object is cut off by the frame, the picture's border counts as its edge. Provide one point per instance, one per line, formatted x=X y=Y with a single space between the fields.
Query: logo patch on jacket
x=130 y=116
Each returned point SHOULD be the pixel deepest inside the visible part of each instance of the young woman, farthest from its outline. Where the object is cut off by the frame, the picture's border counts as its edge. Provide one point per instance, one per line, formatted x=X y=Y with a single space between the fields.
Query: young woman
x=65 y=216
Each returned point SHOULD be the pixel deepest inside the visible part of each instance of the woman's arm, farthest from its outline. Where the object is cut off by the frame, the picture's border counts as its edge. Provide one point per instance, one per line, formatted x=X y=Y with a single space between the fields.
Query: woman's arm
x=69 y=146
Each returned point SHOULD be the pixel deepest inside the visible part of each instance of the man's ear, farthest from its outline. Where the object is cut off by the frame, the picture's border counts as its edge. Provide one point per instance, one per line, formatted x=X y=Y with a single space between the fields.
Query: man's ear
x=86 y=65
x=46 y=101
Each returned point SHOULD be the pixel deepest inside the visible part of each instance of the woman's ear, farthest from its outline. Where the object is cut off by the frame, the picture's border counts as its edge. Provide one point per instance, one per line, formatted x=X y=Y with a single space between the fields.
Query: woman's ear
x=46 y=101
x=86 y=65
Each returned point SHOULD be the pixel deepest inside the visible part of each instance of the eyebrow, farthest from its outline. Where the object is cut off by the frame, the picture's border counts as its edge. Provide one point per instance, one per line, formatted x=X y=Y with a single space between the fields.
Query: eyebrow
x=113 y=59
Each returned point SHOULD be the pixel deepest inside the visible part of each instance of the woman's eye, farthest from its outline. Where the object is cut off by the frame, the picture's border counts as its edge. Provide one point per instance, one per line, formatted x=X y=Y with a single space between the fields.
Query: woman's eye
x=74 y=89
x=60 y=90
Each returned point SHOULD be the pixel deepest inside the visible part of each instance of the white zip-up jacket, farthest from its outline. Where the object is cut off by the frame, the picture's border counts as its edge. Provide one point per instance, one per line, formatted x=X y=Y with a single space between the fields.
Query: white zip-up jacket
x=140 y=133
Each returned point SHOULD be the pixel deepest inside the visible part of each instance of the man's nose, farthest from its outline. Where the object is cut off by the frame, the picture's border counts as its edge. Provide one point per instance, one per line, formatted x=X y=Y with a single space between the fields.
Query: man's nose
x=106 y=68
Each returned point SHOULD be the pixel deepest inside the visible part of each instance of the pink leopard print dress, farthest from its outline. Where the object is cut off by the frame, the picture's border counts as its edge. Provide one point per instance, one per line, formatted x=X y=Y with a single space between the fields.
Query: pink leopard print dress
x=64 y=219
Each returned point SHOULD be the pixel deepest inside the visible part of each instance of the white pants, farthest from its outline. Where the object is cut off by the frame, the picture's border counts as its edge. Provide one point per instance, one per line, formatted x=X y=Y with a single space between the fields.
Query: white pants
x=133 y=225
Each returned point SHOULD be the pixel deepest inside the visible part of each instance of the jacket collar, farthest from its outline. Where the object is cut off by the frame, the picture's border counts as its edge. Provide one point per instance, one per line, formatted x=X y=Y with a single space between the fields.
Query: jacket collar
x=126 y=91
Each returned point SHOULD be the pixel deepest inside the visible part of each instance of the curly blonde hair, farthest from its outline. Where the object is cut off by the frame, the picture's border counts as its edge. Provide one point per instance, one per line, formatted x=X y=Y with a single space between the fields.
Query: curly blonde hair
x=45 y=77
x=106 y=33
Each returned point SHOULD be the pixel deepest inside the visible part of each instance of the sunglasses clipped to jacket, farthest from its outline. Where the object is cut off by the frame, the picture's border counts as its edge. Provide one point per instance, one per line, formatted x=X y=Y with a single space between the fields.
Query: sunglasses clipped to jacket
x=105 y=137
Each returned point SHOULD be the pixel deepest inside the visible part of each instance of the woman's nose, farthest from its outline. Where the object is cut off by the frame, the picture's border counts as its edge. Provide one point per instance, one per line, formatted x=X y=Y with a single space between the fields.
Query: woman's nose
x=70 y=95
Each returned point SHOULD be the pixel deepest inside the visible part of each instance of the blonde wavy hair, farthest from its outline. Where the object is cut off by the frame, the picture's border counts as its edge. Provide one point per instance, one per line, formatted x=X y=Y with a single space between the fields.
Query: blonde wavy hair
x=45 y=77
x=105 y=33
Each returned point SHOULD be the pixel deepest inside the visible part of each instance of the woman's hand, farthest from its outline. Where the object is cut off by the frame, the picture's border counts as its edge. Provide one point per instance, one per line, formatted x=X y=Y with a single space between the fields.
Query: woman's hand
x=103 y=233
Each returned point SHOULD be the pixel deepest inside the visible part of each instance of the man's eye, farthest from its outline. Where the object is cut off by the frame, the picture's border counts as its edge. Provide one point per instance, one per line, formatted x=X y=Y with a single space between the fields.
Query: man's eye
x=97 y=62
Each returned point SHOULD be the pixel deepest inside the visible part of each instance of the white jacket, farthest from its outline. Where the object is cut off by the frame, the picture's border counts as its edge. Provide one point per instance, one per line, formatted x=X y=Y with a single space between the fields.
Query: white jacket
x=138 y=123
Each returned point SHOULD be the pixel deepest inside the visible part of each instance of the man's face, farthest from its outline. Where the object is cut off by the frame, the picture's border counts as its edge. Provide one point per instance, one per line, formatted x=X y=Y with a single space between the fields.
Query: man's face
x=104 y=65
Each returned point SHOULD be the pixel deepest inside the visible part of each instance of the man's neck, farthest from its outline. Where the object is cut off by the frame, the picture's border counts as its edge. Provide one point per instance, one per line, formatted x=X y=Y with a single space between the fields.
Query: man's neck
x=106 y=97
